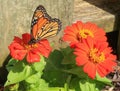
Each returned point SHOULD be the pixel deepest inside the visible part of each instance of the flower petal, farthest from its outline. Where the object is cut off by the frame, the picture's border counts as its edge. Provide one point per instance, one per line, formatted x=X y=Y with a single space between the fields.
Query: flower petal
x=90 y=69
x=44 y=48
x=81 y=61
x=72 y=33
x=67 y=37
x=17 y=39
x=26 y=38
x=101 y=71
x=32 y=57
x=17 y=51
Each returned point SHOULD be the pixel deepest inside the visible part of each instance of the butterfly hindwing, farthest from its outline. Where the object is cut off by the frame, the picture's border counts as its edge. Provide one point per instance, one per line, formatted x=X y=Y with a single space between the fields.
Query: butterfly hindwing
x=43 y=25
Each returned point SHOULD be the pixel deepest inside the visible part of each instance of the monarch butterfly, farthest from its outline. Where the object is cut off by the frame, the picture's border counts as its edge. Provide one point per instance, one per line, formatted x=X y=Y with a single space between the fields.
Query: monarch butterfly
x=43 y=25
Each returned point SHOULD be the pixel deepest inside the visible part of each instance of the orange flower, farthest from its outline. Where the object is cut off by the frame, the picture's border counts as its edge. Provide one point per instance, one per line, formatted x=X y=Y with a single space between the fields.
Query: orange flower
x=79 y=31
x=95 y=57
x=20 y=48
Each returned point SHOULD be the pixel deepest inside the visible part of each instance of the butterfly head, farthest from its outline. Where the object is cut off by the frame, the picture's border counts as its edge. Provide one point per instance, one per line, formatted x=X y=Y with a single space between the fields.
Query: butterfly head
x=32 y=41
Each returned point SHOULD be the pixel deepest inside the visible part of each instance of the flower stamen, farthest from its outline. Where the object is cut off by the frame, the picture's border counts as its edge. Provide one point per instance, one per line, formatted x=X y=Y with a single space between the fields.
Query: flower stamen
x=84 y=33
x=29 y=47
x=96 y=56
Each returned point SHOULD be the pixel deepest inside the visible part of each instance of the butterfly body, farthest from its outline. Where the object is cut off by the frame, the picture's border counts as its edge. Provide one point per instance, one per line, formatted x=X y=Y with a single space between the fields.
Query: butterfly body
x=42 y=25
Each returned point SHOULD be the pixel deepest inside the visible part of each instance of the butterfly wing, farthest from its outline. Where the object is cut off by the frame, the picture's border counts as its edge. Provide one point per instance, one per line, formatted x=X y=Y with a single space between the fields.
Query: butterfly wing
x=43 y=25
x=38 y=14
x=51 y=28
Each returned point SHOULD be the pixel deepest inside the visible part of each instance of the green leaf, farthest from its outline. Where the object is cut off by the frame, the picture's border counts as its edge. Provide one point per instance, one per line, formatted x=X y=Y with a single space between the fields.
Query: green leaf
x=74 y=84
x=19 y=72
x=55 y=78
x=56 y=89
x=66 y=50
x=51 y=76
x=10 y=64
x=55 y=59
x=83 y=84
x=78 y=71
x=103 y=80
x=87 y=85
x=52 y=72
x=69 y=57
x=34 y=78
x=39 y=85
x=39 y=66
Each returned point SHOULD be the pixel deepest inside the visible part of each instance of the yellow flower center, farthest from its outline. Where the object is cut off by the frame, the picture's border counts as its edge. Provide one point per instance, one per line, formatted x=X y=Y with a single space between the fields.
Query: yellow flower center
x=29 y=47
x=96 y=56
x=84 y=33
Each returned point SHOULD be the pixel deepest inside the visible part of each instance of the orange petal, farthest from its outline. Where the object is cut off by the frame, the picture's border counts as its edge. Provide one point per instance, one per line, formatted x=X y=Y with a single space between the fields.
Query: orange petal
x=90 y=69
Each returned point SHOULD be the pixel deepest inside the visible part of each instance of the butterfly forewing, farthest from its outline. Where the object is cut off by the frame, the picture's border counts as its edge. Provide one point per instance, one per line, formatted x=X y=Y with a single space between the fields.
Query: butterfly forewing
x=37 y=28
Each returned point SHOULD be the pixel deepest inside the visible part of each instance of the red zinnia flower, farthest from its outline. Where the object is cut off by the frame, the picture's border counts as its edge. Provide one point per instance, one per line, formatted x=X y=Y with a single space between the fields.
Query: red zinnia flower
x=20 y=48
x=95 y=57
x=79 y=31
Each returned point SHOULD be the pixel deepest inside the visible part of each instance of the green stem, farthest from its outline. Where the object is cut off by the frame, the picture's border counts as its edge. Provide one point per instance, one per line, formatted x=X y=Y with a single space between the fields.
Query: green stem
x=67 y=83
